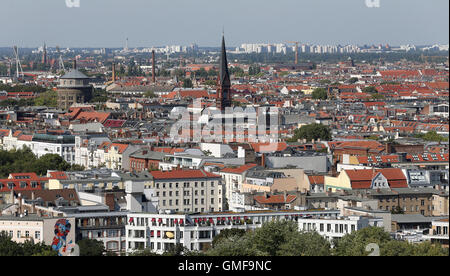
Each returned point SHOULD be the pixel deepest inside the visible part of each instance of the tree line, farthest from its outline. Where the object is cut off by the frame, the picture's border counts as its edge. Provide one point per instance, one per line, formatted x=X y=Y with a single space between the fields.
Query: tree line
x=24 y=160
x=283 y=238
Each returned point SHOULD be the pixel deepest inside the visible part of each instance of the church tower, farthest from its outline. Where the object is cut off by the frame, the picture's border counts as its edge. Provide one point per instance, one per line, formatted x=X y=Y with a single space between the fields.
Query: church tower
x=224 y=84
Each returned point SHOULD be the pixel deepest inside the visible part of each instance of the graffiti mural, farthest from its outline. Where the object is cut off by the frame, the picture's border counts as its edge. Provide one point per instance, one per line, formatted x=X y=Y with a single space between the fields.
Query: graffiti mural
x=60 y=243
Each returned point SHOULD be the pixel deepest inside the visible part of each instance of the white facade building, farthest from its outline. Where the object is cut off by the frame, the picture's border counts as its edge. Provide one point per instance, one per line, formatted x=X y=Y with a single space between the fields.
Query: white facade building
x=161 y=232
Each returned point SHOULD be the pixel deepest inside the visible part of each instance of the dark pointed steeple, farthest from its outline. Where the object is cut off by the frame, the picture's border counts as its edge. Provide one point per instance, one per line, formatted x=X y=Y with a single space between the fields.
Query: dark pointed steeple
x=224 y=90
x=224 y=73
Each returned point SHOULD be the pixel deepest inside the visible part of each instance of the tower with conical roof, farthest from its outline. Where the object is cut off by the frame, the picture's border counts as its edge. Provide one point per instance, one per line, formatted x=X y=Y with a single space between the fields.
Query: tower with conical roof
x=224 y=84
x=73 y=88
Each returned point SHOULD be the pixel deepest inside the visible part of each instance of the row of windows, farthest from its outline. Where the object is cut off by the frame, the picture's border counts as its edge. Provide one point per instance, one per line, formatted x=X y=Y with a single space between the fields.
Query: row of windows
x=185 y=185
x=403 y=198
x=26 y=234
x=22 y=185
x=187 y=202
x=338 y=228
x=405 y=209
x=185 y=193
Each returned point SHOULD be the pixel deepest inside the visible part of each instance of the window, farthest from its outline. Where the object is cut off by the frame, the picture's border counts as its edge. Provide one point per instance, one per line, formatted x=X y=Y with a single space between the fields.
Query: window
x=27 y=234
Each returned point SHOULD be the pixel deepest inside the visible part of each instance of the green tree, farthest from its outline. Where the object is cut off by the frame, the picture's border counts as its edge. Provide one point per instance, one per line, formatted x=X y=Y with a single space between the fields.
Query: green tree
x=320 y=94
x=49 y=98
x=397 y=210
x=272 y=235
x=187 y=83
x=305 y=244
x=50 y=162
x=150 y=94
x=91 y=247
x=377 y=96
x=431 y=136
x=235 y=246
x=144 y=252
x=312 y=131
x=355 y=244
x=228 y=234
x=369 y=89
x=353 y=80
x=10 y=248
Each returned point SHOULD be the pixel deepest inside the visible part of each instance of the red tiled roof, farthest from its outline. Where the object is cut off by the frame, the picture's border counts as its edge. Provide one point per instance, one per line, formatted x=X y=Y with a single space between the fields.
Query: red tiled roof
x=316 y=179
x=362 y=179
x=240 y=169
x=58 y=175
x=114 y=123
x=183 y=174
x=275 y=199
x=120 y=147
x=268 y=147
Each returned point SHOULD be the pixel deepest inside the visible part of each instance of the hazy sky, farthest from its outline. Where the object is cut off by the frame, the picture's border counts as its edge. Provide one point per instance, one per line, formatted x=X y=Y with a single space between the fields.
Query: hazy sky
x=107 y=23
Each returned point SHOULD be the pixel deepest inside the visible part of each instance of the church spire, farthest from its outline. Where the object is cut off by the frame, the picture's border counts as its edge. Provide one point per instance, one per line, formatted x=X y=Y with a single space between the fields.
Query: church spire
x=224 y=73
x=223 y=91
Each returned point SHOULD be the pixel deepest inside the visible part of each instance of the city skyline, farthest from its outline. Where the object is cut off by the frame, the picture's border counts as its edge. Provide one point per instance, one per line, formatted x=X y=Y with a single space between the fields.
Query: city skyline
x=158 y=23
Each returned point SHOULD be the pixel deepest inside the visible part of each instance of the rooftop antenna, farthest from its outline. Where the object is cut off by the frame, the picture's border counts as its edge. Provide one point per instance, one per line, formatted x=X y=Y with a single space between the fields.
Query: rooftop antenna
x=18 y=63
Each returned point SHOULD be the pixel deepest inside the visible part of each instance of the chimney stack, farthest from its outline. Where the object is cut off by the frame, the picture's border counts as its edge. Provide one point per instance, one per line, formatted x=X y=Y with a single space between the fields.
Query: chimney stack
x=153 y=67
x=20 y=203
x=75 y=64
x=113 y=72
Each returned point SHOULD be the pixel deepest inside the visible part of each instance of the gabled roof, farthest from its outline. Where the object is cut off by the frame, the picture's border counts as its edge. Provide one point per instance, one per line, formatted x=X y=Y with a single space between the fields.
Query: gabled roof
x=239 y=170
x=362 y=179
x=274 y=199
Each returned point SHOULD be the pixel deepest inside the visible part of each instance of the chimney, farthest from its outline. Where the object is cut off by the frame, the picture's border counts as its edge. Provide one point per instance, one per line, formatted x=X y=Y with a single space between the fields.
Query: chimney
x=113 y=72
x=387 y=148
x=263 y=160
x=285 y=196
x=75 y=64
x=12 y=196
x=20 y=203
x=153 y=67
x=109 y=201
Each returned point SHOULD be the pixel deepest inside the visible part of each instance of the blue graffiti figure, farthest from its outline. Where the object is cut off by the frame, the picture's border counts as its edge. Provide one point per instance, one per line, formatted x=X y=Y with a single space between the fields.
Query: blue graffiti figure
x=62 y=229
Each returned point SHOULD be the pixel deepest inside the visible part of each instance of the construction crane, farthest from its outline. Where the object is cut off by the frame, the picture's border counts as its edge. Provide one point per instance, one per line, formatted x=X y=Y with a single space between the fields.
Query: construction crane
x=296 y=50
x=19 y=70
x=61 y=62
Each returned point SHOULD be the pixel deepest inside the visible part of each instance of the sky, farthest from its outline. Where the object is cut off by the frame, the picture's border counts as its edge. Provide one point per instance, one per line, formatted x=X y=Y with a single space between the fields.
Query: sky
x=147 y=23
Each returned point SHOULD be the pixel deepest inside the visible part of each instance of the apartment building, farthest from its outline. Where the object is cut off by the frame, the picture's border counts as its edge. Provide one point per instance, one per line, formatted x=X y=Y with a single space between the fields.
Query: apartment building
x=439 y=232
x=107 y=227
x=189 y=190
x=336 y=228
x=161 y=232
x=33 y=227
